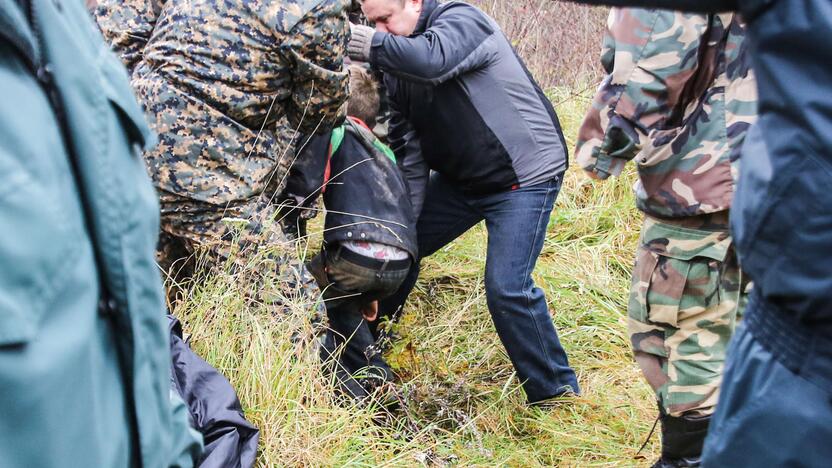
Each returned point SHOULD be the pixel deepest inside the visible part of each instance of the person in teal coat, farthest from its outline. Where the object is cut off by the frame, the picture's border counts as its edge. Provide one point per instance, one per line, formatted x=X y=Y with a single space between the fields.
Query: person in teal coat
x=84 y=355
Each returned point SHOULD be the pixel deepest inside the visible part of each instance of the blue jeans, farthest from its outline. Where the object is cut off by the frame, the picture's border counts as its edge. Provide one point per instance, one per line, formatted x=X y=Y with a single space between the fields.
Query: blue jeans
x=516 y=221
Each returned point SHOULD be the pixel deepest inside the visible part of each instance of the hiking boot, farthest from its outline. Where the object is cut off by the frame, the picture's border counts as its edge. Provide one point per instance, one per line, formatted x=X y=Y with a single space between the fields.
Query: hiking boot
x=682 y=440
x=565 y=397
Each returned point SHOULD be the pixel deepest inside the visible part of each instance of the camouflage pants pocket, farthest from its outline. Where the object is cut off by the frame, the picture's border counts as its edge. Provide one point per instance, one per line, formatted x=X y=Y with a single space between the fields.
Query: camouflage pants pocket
x=681 y=316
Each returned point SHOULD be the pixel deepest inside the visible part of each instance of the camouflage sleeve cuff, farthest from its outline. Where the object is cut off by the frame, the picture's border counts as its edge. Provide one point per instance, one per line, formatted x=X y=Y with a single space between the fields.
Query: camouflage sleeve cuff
x=620 y=144
x=608 y=153
x=586 y=155
x=606 y=166
x=592 y=159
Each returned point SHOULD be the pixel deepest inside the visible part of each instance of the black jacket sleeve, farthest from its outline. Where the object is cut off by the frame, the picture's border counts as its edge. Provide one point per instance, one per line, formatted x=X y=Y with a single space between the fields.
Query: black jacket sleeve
x=405 y=144
x=455 y=43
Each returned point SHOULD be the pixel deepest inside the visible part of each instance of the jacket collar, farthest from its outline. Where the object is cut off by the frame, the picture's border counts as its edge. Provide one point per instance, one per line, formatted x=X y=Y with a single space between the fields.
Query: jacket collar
x=358 y=121
x=428 y=7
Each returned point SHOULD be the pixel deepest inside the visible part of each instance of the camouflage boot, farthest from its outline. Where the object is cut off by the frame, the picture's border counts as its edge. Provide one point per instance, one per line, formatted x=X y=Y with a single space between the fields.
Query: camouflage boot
x=682 y=440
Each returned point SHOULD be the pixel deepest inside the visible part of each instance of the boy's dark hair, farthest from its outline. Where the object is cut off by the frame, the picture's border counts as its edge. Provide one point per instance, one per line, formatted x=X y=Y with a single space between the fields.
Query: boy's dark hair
x=364 y=98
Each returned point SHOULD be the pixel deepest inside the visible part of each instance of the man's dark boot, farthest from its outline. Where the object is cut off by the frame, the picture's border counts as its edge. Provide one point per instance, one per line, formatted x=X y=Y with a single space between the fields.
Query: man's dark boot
x=682 y=440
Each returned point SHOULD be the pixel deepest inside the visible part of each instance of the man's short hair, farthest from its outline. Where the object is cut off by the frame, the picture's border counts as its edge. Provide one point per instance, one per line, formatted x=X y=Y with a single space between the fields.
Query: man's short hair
x=364 y=98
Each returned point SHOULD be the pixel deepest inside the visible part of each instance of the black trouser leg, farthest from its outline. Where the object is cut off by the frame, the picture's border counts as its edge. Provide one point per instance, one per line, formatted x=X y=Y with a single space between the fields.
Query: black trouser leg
x=349 y=334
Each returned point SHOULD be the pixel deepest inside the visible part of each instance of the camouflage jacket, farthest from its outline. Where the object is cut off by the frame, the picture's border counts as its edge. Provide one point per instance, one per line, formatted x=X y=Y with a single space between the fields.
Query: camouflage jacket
x=679 y=97
x=228 y=85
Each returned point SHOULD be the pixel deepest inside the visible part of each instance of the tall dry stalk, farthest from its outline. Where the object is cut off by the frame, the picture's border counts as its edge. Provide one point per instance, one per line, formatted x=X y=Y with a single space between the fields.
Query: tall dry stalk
x=559 y=41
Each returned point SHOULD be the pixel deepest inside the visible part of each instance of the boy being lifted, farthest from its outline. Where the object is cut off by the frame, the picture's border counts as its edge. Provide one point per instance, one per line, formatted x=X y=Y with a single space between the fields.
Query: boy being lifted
x=369 y=238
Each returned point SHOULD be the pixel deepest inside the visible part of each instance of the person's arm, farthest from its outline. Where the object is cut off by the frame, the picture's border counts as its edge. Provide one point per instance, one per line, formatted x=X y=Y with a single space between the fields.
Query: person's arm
x=306 y=176
x=456 y=43
x=297 y=202
x=404 y=142
x=127 y=25
x=316 y=46
x=649 y=56
x=703 y=6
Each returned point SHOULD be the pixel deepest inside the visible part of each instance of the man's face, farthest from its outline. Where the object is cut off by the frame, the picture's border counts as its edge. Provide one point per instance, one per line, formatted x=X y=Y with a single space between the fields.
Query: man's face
x=393 y=16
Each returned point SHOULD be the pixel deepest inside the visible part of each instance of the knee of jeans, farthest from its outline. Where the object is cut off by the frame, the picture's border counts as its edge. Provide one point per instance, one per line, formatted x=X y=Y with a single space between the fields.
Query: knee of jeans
x=495 y=294
x=507 y=285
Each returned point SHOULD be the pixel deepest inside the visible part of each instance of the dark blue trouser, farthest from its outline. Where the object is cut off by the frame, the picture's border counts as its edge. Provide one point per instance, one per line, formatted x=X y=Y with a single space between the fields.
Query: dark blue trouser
x=349 y=350
x=516 y=221
x=349 y=346
x=775 y=406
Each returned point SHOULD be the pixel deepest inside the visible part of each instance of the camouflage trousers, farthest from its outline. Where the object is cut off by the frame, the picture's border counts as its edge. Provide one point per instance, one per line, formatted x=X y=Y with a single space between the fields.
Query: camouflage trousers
x=239 y=238
x=687 y=291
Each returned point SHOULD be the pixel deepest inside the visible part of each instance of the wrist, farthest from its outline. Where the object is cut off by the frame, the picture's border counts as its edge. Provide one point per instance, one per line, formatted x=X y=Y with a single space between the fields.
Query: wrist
x=360 y=44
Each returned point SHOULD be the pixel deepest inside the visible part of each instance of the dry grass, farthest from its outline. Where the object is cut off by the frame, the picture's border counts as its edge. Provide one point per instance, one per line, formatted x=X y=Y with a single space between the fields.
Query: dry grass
x=560 y=41
x=463 y=405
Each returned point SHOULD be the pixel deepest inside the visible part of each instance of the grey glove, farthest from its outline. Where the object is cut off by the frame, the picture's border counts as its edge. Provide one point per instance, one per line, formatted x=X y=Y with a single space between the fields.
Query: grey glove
x=360 y=41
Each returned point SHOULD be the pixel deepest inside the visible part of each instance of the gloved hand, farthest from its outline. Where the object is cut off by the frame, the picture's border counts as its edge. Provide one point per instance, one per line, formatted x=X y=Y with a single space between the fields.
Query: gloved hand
x=360 y=41
x=292 y=218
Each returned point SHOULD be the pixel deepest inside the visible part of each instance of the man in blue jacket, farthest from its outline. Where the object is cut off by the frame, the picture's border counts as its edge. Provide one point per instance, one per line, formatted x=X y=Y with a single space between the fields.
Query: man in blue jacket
x=465 y=106
x=776 y=403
